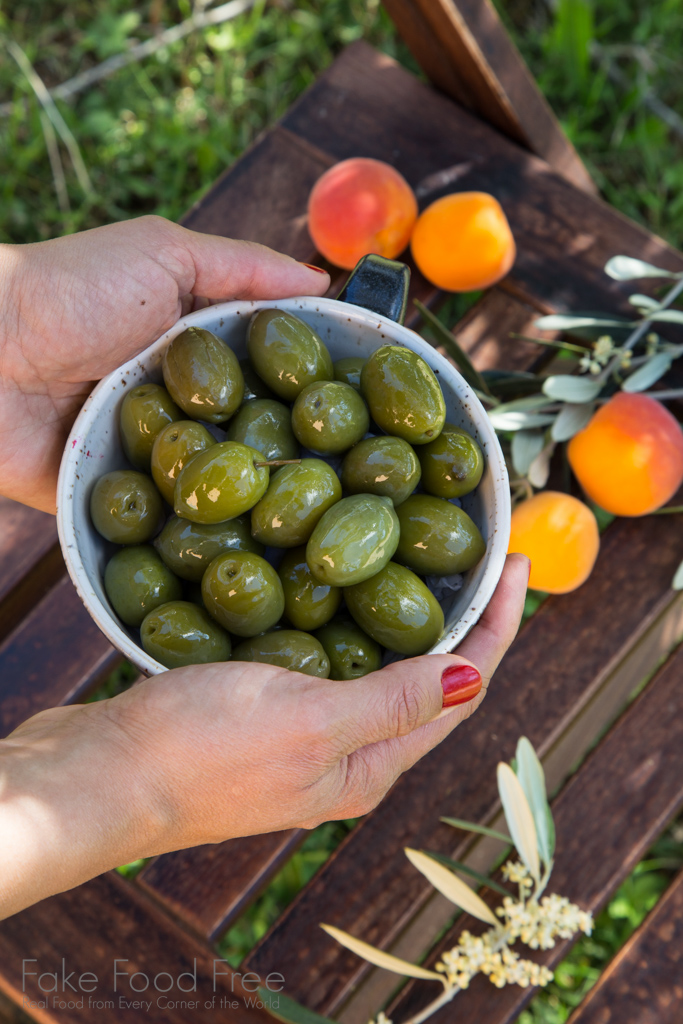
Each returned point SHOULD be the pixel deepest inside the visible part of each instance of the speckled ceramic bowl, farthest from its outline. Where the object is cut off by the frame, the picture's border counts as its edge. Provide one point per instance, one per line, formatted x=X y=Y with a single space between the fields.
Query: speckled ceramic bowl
x=94 y=448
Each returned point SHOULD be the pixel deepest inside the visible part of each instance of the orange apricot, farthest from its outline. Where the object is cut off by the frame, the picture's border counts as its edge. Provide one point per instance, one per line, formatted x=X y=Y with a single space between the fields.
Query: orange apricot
x=360 y=206
x=629 y=459
x=463 y=242
x=560 y=536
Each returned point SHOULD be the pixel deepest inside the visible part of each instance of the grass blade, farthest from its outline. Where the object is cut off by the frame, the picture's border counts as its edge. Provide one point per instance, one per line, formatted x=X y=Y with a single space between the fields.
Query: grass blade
x=450 y=886
x=457 y=865
x=483 y=830
x=519 y=818
x=445 y=338
x=378 y=957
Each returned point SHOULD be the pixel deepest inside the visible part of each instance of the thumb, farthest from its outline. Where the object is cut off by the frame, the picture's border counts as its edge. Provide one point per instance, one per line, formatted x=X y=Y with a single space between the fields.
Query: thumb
x=226 y=269
x=397 y=700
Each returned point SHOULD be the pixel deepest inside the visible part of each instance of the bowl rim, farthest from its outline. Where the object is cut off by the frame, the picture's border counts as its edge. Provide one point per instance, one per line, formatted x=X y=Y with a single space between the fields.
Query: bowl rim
x=500 y=522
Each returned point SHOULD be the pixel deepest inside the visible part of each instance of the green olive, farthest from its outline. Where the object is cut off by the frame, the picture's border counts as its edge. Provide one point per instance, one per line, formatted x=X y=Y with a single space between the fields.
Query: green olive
x=295 y=500
x=403 y=394
x=348 y=370
x=288 y=648
x=188 y=548
x=203 y=375
x=145 y=411
x=137 y=581
x=437 y=537
x=180 y=633
x=452 y=465
x=243 y=593
x=353 y=540
x=254 y=387
x=386 y=466
x=352 y=652
x=308 y=602
x=397 y=610
x=220 y=483
x=173 y=448
x=125 y=507
x=286 y=353
x=329 y=417
x=265 y=425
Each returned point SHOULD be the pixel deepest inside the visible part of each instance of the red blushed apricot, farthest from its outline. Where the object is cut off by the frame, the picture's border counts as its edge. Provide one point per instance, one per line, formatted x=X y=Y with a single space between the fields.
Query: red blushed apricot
x=463 y=242
x=360 y=206
x=629 y=459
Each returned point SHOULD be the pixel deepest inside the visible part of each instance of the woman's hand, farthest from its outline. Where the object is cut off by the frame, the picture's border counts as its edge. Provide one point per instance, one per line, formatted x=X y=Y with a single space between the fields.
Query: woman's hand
x=75 y=308
x=207 y=753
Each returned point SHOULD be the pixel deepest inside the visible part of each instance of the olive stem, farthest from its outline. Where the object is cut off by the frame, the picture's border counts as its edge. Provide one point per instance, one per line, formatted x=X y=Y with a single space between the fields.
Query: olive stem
x=278 y=462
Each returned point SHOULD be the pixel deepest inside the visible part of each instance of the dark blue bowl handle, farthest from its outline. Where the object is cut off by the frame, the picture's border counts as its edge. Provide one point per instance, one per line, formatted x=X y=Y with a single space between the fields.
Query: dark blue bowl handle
x=380 y=285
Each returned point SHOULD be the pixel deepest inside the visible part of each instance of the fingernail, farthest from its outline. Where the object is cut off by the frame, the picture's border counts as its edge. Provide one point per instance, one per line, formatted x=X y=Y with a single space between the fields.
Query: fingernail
x=318 y=270
x=460 y=683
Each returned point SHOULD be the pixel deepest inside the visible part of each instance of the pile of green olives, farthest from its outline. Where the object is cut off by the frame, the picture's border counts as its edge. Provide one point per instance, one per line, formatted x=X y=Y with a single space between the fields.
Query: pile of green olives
x=284 y=508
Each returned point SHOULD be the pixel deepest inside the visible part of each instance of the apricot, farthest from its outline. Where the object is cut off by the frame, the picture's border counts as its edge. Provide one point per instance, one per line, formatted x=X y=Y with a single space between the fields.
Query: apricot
x=360 y=206
x=560 y=536
x=629 y=459
x=463 y=242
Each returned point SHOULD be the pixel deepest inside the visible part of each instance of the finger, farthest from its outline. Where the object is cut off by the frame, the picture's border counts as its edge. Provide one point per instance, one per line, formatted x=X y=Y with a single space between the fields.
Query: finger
x=228 y=269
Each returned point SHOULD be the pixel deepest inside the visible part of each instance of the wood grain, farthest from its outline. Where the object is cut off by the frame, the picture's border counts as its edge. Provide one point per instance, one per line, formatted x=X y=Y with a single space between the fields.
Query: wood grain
x=606 y=817
x=644 y=982
x=30 y=562
x=369 y=888
x=465 y=51
x=55 y=656
x=107 y=920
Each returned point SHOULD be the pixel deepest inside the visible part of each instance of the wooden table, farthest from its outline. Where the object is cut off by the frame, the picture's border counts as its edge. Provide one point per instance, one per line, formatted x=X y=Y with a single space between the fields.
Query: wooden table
x=568 y=676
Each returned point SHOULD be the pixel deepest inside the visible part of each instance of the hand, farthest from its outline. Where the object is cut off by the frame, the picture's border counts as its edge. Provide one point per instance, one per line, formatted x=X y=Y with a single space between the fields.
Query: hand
x=207 y=753
x=73 y=309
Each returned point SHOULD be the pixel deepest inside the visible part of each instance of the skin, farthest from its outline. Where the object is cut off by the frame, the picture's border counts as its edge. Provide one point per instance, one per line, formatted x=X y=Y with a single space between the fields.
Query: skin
x=205 y=753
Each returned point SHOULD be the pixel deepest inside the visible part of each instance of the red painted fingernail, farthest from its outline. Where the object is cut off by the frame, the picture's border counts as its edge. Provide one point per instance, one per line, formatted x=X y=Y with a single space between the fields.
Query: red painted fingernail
x=460 y=683
x=318 y=270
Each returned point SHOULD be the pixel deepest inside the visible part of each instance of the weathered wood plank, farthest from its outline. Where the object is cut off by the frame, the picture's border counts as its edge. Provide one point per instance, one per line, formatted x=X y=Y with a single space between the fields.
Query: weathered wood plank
x=465 y=51
x=606 y=817
x=552 y=669
x=207 y=887
x=644 y=982
x=30 y=562
x=101 y=922
x=55 y=656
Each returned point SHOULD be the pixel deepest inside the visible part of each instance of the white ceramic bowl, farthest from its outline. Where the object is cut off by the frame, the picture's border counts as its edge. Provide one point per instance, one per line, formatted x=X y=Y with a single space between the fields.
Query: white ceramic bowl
x=94 y=448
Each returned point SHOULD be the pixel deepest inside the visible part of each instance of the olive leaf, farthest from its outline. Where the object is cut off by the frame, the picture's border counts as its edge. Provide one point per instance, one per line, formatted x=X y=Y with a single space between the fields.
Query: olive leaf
x=519 y=818
x=519 y=420
x=567 y=322
x=677 y=581
x=539 y=470
x=668 y=316
x=571 y=419
x=644 y=302
x=472 y=826
x=526 y=445
x=450 y=886
x=626 y=268
x=445 y=338
x=457 y=865
x=530 y=773
x=566 y=388
x=510 y=383
x=378 y=957
x=650 y=372
x=285 y=1008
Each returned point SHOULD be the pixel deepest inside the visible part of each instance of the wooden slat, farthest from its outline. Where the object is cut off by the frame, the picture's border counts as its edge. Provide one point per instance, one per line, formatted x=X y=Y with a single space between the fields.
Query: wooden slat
x=644 y=982
x=55 y=656
x=207 y=887
x=107 y=920
x=606 y=817
x=466 y=52
x=30 y=562
x=366 y=105
x=553 y=668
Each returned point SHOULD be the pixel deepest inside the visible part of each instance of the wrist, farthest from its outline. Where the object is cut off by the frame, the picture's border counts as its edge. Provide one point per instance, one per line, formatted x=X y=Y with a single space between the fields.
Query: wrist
x=74 y=802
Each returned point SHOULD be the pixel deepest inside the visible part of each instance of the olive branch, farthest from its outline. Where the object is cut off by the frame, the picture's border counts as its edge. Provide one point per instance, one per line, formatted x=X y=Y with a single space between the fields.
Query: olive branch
x=531 y=917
